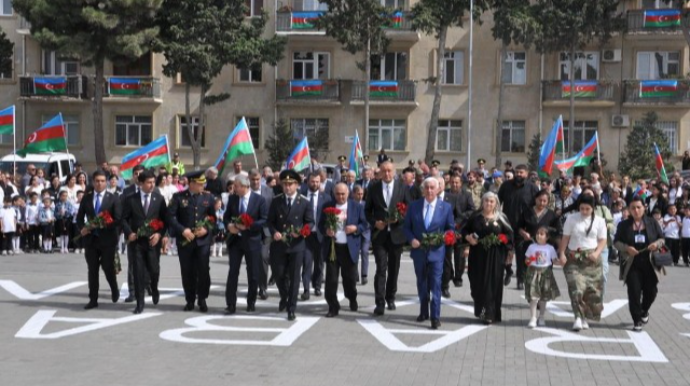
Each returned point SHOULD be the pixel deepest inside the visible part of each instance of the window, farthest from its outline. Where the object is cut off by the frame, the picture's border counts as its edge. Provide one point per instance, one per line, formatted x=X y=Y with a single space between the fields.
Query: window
x=584 y=131
x=310 y=65
x=513 y=136
x=133 y=130
x=586 y=66
x=254 y=124
x=514 y=68
x=395 y=4
x=255 y=7
x=657 y=65
x=250 y=75
x=454 y=61
x=185 y=141
x=307 y=127
x=449 y=135
x=389 y=134
x=313 y=5
x=669 y=128
x=71 y=126
x=54 y=64
x=6 y=7
x=139 y=67
x=391 y=66
x=654 y=4
x=7 y=74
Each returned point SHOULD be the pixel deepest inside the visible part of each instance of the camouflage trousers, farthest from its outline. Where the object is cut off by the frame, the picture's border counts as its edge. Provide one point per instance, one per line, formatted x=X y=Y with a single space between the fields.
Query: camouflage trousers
x=585 y=280
x=540 y=284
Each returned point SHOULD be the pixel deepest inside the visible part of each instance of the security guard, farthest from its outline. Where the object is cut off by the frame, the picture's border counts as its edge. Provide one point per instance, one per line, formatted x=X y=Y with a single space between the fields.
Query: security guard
x=339 y=168
x=288 y=211
x=186 y=209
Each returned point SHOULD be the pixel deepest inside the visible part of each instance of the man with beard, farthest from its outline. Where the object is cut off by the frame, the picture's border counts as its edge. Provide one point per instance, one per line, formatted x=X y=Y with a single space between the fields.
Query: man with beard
x=475 y=188
x=455 y=257
x=516 y=196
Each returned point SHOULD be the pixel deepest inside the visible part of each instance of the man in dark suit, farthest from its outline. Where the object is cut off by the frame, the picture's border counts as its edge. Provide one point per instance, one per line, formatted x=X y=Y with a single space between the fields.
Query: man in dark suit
x=267 y=194
x=132 y=188
x=347 y=239
x=312 y=272
x=290 y=212
x=428 y=216
x=186 y=209
x=244 y=242
x=455 y=257
x=387 y=238
x=357 y=195
x=366 y=180
x=408 y=178
x=139 y=208
x=100 y=244
x=326 y=185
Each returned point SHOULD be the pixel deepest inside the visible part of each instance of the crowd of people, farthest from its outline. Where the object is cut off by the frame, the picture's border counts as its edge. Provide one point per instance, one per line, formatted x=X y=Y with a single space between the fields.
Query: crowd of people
x=306 y=231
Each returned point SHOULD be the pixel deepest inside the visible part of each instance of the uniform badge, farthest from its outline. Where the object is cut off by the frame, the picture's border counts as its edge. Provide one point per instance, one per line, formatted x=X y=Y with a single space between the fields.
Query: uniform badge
x=185 y=203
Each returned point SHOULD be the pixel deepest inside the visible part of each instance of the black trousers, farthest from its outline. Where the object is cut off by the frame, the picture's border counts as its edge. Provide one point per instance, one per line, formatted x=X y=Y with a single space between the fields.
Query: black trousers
x=312 y=271
x=265 y=263
x=146 y=267
x=642 y=288
x=34 y=232
x=253 y=261
x=7 y=241
x=453 y=259
x=387 y=256
x=520 y=266
x=195 y=270
x=97 y=257
x=286 y=269
x=674 y=247
x=685 y=244
x=342 y=265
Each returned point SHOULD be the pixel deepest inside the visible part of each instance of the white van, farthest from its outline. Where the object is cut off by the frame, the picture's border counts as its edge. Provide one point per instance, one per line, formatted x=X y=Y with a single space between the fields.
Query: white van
x=61 y=164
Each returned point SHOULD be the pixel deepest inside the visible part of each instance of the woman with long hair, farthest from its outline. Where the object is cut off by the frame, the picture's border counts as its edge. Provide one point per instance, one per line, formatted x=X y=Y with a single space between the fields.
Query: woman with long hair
x=490 y=237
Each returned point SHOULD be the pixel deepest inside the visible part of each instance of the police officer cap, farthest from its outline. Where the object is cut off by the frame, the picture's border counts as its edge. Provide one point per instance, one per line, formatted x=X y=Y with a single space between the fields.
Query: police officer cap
x=481 y=161
x=197 y=176
x=290 y=175
x=342 y=158
x=366 y=158
x=435 y=163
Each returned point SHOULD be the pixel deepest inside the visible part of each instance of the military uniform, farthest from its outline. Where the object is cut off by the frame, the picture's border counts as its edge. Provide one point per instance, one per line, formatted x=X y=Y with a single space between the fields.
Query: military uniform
x=185 y=210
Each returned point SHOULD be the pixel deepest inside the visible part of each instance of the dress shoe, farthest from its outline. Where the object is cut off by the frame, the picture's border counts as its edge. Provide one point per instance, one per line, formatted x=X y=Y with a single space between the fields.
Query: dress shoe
x=509 y=275
x=305 y=295
x=189 y=307
x=155 y=295
x=91 y=305
x=202 y=306
x=263 y=295
x=317 y=291
x=115 y=295
x=291 y=316
x=645 y=317
x=129 y=299
x=282 y=306
x=391 y=305
x=138 y=309
x=251 y=308
x=378 y=311
x=457 y=283
x=422 y=318
x=445 y=293
x=230 y=310
x=353 y=305
x=364 y=280
x=332 y=314
x=435 y=324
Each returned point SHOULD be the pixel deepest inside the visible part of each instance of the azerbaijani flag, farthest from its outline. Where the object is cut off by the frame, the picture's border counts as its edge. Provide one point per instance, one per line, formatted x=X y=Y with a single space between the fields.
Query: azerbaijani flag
x=583 y=158
x=660 y=18
x=48 y=138
x=356 y=156
x=151 y=155
x=7 y=120
x=239 y=143
x=304 y=20
x=395 y=20
x=383 y=88
x=552 y=145
x=583 y=89
x=658 y=88
x=660 y=169
x=124 y=86
x=300 y=88
x=50 y=86
x=299 y=159
x=639 y=192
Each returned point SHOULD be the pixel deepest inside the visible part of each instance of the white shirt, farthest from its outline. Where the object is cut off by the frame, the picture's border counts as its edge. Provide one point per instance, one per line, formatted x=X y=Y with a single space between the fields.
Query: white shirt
x=246 y=202
x=544 y=255
x=9 y=219
x=340 y=236
x=315 y=196
x=685 y=233
x=576 y=227
x=387 y=191
x=143 y=199
x=671 y=229
x=95 y=194
x=291 y=199
x=431 y=207
x=32 y=214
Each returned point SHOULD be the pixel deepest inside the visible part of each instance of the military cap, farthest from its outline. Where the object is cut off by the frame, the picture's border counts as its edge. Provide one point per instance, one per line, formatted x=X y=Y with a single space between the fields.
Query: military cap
x=342 y=158
x=290 y=175
x=481 y=161
x=410 y=162
x=366 y=158
x=197 y=176
x=435 y=163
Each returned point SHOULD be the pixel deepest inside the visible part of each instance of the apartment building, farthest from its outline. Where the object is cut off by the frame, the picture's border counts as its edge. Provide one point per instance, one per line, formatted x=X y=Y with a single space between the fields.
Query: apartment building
x=319 y=87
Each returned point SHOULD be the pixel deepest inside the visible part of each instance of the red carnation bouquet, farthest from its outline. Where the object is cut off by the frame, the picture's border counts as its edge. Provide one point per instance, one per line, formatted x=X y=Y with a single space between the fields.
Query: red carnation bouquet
x=332 y=220
x=150 y=227
x=208 y=222
x=244 y=219
x=394 y=214
x=102 y=221
x=449 y=238
x=494 y=240
x=435 y=240
x=305 y=232
x=530 y=260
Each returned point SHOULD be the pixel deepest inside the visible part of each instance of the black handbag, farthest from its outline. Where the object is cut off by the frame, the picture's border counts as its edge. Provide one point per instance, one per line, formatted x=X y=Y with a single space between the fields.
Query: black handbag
x=662 y=258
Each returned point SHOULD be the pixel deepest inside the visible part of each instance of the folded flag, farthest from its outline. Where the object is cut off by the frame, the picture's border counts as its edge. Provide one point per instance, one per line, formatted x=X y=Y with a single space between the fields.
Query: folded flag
x=50 y=86
x=356 y=156
x=304 y=20
x=660 y=169
x=125 y=86
x=661 y=18
x=552 y=145
x=583 y=89
x=658 y=88
x=152 y=155
x=7 y=120
x=48 y=138
x=383 y=88
x=300 y=88
x=583 y=158
x=396 y=20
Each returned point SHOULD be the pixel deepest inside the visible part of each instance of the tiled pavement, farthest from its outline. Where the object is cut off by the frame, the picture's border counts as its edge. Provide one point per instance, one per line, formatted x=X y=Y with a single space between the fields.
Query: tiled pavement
x=43 y=342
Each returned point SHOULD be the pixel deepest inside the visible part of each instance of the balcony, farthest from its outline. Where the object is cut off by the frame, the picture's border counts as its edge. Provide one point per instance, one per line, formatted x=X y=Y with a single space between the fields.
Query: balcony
x=587 y=93
x=308 y=91
x=394 y=91
x=656 y=21
x=53 y=87
x=132 y=87
x=669 y=92
x=290 y=21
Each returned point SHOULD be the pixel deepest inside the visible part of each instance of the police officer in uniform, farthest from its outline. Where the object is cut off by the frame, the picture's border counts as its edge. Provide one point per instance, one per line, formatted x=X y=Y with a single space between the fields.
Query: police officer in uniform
x=185 y=210
x=288 y=210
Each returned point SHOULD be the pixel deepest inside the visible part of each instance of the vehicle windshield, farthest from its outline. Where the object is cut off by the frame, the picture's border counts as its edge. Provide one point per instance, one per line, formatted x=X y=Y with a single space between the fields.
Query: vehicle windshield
x=6 y=166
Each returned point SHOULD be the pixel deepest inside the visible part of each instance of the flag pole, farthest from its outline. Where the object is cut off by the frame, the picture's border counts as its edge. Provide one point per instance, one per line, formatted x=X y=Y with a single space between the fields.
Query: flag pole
x=64 y=132
x=167 y=144
x=601 y=167
x=246 y=127
x=14 y=140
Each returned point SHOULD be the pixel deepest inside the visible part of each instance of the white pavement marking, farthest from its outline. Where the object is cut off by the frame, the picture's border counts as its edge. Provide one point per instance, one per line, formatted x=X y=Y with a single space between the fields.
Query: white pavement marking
x=20 y=292
x=33 y=327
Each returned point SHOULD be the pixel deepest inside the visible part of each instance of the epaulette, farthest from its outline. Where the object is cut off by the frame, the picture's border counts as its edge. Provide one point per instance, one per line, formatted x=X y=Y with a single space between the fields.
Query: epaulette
x=304 y=197
x=280 y=195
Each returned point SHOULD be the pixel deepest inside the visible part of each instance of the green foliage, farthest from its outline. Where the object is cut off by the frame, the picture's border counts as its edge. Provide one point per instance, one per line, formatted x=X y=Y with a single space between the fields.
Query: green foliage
x=533 y=152
x=432 y=16
x=638 y=158
x=6 y=52
x=515 y=22
x=279 y=144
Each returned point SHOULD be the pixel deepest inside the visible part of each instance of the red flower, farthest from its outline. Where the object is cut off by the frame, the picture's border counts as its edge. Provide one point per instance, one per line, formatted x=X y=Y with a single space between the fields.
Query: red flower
x=332 y=211
x=246 y=220
x=449 y=238
x=156 y=225
x=503 y=238
x=530 y=260
x=211 y=219
x=306 y=231
x=107 y=218
x=402 y=208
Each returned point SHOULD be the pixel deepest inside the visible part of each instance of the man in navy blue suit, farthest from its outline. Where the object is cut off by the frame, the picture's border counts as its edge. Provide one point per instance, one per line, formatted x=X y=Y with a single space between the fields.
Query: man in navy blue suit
x=346 y=239
x=427 y=216
x=244 y=242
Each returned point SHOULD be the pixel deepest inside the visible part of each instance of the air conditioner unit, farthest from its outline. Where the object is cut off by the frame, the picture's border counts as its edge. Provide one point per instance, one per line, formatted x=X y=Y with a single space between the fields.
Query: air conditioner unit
x=620 y=120
x=611 y=56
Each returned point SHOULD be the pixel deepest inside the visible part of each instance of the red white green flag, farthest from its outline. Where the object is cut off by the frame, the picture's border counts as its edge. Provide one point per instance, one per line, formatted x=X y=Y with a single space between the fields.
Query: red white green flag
x=7 y=121
x=48 y=138
x=238 y=143
x=583 y=158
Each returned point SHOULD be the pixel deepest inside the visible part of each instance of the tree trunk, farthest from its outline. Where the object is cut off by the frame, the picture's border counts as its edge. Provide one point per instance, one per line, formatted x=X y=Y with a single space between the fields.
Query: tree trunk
x=438 y=94
x=367 y=71
x=188 y=120
x=499 y=119
x=571 y=124
x=97 y=111
x=196 y=145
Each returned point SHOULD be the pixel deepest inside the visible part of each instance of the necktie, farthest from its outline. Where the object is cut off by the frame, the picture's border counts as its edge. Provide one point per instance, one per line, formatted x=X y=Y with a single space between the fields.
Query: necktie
x=388 y=194
x=243 y=206
x=146 y=203
x=427 y=216
x=289 y=203
x=97 y=207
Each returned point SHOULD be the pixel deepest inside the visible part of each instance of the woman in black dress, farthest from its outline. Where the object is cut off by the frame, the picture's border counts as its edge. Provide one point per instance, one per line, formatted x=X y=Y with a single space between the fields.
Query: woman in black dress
x=541 y=216
x=490 y=237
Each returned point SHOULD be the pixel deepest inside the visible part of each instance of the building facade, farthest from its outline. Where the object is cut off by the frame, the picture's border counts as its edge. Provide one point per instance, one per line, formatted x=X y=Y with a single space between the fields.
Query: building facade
x=318 y=86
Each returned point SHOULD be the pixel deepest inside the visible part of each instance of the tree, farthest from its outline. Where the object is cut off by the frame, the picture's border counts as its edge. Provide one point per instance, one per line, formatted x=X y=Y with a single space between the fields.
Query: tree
x=280 y=144
x=358 y=25
x=200 y=37
x=435 y=17
x=569 y=26
x=534 y=151
x=638 y=158
x=93 y=31
x=6 y=52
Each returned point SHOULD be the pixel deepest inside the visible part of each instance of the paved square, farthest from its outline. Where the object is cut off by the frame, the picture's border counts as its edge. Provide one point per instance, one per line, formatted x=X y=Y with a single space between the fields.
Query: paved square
x=48 y=339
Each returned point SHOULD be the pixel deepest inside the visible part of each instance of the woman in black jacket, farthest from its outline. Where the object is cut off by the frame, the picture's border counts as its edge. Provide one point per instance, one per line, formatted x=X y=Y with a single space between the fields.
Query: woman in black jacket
x=636 y=238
